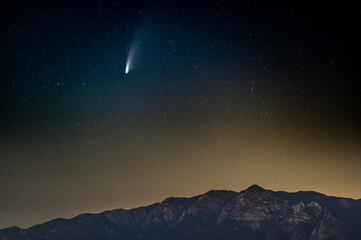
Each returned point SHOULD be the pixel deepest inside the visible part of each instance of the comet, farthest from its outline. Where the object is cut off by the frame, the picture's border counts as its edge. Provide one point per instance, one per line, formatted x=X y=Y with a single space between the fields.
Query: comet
x=130 y=59
x=127 y=67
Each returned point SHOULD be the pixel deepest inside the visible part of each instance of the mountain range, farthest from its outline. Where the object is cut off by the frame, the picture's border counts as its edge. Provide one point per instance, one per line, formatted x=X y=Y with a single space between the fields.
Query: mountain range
x=251 y=214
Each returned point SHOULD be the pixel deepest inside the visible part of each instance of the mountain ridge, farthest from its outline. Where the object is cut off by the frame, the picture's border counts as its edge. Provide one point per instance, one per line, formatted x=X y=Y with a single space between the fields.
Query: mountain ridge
x=253 y=213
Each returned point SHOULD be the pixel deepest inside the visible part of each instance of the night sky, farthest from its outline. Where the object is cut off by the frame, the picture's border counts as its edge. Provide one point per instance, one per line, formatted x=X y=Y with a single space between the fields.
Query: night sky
x=217 y=96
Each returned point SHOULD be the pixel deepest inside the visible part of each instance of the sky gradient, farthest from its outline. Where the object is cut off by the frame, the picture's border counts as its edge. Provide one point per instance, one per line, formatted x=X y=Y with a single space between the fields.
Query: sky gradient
x=218 y=96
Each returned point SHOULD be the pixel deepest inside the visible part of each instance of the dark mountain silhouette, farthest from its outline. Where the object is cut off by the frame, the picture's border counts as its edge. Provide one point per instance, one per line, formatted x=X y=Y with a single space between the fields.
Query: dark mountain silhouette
x=254 y=213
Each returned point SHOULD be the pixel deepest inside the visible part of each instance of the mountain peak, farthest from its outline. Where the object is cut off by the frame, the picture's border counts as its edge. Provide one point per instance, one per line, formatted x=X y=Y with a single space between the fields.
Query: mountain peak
x=255 y=188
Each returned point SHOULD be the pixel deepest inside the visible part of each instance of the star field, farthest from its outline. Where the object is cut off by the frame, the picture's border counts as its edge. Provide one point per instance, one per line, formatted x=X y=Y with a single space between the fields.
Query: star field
x=220 y=95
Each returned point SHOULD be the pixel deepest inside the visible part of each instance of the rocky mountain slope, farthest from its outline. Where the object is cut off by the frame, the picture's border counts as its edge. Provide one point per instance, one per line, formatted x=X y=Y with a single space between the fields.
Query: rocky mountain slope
x=254 y=213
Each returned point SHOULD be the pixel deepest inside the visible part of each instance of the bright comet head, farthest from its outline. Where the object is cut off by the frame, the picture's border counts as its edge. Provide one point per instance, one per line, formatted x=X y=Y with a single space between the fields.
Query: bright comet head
x=127 y=68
